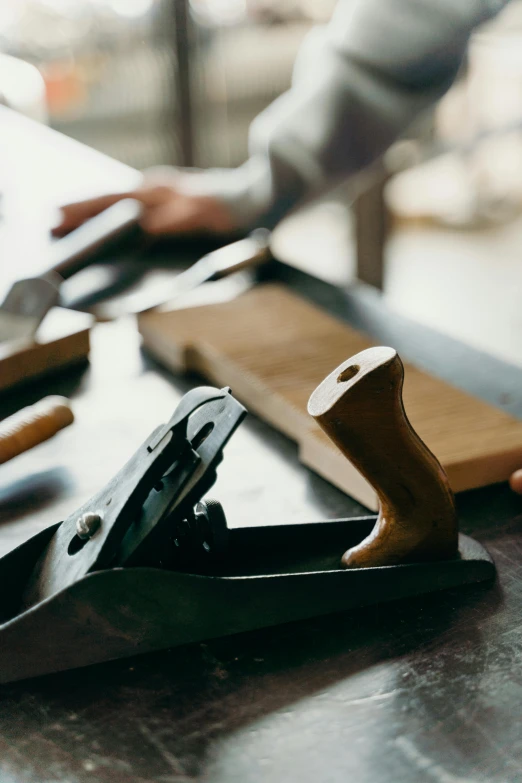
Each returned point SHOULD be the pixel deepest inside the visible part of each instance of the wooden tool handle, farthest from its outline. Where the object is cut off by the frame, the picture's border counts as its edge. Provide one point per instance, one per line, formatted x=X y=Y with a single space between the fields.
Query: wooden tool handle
x=33 y=425
x=360 y=408
x=76 y=251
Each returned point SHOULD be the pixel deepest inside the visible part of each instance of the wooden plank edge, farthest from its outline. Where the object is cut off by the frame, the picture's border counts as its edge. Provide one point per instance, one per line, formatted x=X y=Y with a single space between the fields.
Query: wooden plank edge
x=45 y=359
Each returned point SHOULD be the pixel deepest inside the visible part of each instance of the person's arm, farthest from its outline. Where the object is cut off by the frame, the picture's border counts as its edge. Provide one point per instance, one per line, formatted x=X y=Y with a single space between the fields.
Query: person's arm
x=358 y=84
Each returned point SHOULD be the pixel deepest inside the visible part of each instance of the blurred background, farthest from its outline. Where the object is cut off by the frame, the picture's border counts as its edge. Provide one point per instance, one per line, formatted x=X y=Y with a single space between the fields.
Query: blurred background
x=179 y=81
x=159 y=81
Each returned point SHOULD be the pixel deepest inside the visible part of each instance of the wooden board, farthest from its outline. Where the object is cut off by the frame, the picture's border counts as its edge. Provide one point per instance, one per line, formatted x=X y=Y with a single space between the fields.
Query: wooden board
x=62 y=340
x=273 y=348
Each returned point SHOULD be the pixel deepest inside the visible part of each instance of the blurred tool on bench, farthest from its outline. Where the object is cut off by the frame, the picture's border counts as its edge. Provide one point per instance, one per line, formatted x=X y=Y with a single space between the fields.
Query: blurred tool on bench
x=28 y=301
x=33 y=425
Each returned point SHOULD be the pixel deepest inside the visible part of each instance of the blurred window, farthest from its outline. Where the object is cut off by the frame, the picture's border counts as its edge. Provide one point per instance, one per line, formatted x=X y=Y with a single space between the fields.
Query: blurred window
x=110 y=69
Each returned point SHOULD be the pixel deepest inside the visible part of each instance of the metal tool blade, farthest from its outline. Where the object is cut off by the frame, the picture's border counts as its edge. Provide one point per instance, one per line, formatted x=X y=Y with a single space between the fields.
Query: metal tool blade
x=26 y=304
x=244 y=254
x=28 y=301
x=176 y=462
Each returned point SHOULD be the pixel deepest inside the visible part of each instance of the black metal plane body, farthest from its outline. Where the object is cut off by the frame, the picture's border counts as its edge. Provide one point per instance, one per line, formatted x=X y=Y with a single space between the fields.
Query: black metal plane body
x=161 y=482
x=146 y=564
x=119 y=612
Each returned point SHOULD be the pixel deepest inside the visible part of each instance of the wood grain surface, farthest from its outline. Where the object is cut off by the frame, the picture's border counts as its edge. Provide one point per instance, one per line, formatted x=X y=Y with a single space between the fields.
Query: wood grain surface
x=273 y=348
x=33 y=425
x=62 y=340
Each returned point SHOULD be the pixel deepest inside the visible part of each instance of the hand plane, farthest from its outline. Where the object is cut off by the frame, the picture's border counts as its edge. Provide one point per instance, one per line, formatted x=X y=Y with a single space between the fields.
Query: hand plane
x=148 y=563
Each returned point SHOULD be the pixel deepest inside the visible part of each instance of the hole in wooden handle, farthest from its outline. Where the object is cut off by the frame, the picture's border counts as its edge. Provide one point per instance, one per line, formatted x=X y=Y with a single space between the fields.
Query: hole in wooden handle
x=348 y=373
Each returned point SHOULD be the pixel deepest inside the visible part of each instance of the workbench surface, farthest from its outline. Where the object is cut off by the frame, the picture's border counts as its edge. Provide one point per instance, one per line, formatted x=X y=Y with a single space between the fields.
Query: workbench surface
x=429 y=690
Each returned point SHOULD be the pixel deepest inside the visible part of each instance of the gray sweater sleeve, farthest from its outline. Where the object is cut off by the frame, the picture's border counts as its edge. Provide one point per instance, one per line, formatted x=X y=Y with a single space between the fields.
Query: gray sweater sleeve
x=358 y=84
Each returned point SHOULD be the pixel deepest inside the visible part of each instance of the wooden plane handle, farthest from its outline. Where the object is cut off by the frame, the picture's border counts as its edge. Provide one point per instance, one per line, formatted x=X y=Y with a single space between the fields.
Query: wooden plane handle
x=32 y=425
x=359 y=406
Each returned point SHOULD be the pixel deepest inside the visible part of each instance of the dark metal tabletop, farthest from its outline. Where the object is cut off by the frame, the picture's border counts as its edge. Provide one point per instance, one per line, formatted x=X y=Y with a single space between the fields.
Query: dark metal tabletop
x=425 y=690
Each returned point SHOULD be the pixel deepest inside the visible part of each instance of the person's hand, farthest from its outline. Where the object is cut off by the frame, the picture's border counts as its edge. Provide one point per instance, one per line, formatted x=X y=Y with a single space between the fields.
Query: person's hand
x=167 y=209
